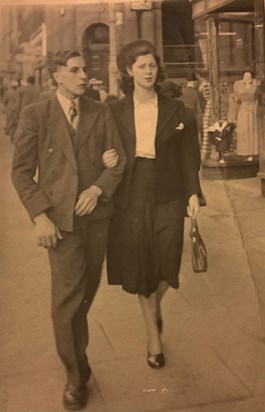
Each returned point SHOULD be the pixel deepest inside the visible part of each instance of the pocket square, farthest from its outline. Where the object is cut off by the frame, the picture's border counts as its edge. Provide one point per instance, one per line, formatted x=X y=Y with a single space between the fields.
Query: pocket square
x=180 y=126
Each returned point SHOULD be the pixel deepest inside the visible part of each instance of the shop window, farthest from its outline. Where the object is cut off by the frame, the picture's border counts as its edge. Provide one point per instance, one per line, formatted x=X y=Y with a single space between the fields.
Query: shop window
x=235 y=46
x=179 y=49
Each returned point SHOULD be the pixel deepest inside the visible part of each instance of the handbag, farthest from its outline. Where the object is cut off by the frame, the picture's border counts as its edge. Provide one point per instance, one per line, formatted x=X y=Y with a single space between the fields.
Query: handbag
x=198 y=249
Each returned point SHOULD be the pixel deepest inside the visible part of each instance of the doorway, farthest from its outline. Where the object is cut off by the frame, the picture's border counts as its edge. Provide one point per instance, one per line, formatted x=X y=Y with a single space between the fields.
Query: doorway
x=95 y=45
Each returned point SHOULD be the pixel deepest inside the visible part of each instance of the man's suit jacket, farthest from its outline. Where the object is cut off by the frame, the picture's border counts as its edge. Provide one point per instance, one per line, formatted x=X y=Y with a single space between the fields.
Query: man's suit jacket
x=177 y=152
x=43 y=143
x=190 y=98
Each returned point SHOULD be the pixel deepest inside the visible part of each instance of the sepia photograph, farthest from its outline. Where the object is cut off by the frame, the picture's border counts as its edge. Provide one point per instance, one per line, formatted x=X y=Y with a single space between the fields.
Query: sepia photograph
x=132 y=159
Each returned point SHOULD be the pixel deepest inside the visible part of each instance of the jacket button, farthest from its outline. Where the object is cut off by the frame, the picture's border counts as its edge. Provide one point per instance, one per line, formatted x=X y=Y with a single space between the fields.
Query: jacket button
x=51 y=192
x=50 y=150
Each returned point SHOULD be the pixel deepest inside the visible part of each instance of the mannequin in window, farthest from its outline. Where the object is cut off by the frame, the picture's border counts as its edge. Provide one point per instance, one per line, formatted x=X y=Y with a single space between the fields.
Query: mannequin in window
x=246 y=91
x=261 y=119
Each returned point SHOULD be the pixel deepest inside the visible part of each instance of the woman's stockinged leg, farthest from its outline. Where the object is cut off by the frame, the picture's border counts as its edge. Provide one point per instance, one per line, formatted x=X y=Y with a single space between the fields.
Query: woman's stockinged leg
x=161 y=290
x=149 y=309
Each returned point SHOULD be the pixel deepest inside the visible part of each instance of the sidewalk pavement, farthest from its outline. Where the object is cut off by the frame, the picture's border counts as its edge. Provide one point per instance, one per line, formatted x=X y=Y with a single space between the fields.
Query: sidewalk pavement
x=214 y=339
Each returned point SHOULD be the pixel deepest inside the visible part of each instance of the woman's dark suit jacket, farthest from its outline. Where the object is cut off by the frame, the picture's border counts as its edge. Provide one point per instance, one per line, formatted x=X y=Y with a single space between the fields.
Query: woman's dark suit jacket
x=177 y=150
x=176 y=178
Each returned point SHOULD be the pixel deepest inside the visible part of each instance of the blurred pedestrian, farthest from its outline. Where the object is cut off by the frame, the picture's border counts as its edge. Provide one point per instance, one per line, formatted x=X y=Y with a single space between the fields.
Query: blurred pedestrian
x=11 y=102
x=170 y=89
x=50 y=90
x=194 y=100
x=21 y=88
x=30 y=93
x=92 y=91
x=190 y=96
x=102 y=92
x=111 y=98
x=161 y=179
x=65 y=137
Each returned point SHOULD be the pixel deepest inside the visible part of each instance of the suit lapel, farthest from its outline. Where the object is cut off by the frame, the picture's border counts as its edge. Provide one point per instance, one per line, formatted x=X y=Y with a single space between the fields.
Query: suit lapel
x=58 y=131
x=128 y=116
x=166 y=110
x=87 y=117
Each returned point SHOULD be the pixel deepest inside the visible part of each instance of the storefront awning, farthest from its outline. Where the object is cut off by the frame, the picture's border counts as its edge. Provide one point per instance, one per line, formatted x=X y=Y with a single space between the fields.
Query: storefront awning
x=202 y=7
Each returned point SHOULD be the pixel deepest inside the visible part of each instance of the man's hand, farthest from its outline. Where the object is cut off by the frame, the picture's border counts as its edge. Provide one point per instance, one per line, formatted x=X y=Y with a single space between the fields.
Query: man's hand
x=47 y=232
x=110 y=158
x=87 y=201
x=194 y=206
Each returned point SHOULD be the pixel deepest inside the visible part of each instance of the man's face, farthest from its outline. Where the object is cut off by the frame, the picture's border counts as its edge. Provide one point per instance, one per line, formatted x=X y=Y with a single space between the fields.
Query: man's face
x=72 y=78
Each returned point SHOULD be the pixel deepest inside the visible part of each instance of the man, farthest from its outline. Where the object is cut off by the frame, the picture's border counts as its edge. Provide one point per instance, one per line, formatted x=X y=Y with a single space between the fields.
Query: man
x=50 y=90
x=91 y=91
x=193 y=99
x=170 y=89
x=70 y=205
x=29 y=93
x=190 y=96
x=11 y=102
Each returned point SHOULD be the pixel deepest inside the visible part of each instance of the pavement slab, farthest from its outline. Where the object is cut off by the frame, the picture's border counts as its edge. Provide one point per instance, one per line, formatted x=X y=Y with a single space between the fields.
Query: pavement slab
x=192 y=378
x=251 y=404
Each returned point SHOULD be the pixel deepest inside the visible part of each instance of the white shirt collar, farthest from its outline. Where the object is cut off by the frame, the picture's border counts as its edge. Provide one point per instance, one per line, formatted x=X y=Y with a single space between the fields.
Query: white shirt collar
x=65 y=103
x=153 y=101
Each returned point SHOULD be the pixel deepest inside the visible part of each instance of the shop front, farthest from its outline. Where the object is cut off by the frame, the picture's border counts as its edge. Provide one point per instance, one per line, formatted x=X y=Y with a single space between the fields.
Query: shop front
x=230 y=36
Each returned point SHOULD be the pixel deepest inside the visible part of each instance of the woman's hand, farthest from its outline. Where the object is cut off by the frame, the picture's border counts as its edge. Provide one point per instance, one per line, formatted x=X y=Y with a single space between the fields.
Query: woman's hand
x=194 y=206
x=110 y=158
x=87 y=200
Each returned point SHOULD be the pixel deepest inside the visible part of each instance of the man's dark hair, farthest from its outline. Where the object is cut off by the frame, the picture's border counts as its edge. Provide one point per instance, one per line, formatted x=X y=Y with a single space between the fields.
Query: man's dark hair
x=60 y=58
x=31 y=79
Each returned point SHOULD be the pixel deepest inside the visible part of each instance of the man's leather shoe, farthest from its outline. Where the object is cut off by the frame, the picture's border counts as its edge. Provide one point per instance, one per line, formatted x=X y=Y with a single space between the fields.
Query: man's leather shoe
x=86 y=373
x=75 y=397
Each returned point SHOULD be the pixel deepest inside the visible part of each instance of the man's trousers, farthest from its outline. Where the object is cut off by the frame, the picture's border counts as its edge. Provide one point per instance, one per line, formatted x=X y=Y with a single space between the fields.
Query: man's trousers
x=76 y=264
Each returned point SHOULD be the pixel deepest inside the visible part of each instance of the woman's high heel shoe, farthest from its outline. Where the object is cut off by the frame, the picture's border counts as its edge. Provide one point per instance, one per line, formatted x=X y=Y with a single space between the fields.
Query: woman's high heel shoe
x=156 y=361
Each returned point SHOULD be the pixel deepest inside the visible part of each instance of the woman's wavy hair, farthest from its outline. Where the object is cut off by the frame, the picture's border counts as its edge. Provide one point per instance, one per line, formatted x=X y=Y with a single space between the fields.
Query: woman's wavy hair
x=126 y=82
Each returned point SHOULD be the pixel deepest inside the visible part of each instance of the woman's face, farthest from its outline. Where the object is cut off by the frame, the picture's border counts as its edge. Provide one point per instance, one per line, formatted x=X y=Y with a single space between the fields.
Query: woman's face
x=144 y=72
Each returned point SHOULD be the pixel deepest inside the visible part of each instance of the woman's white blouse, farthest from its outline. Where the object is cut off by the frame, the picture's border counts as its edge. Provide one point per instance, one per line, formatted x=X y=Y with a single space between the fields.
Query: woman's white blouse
x=145 y=119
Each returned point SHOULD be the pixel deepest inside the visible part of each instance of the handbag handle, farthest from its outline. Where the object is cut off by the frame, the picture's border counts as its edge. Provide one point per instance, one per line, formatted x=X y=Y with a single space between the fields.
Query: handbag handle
x=193 y=227
x=199 y=253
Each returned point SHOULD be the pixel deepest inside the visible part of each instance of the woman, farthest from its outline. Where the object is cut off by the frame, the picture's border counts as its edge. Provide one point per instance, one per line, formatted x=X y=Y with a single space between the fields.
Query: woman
x=161 y=178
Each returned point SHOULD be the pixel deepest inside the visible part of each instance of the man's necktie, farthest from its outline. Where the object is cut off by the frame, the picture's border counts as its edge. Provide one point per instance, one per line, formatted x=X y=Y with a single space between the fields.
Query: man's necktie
x=73 y=113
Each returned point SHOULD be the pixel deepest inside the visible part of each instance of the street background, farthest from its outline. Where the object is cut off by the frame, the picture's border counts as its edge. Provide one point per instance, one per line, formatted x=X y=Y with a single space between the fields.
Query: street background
x=214 y=337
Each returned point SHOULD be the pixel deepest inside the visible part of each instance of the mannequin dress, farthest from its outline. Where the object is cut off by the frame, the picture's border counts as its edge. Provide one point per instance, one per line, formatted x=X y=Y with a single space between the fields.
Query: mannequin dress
x=247 y=123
